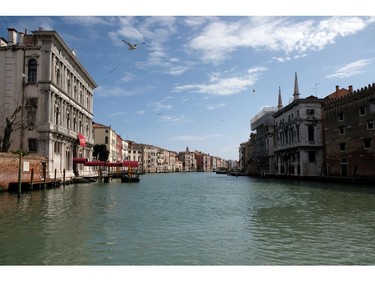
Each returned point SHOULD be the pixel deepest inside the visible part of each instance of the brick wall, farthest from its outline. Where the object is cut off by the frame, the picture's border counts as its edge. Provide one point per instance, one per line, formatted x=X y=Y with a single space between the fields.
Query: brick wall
x=9 y=169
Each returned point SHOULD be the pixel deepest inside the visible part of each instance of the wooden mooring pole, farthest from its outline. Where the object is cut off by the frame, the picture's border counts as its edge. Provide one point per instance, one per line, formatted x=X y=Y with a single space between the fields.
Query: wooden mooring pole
x=54 y=179
x=31 y=179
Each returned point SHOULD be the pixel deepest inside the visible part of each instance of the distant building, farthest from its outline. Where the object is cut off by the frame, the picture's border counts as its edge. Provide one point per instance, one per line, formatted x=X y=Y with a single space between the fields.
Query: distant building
x=203 y=161
x=187 y=158
x=42 y=75
x=150 y=159
x=106 y=135
x=263 y=153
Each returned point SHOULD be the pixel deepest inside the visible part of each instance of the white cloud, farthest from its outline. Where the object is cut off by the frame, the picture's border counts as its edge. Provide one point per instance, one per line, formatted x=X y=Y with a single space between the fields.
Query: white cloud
x=88 y=21
x=213 y=107
x=350 y=69
x=178 y=70
x=224 y=86
x=172 y=118
x=116 y=114
x=128 y=76
x=160 y=106
x=218 y=39
x=118 y=91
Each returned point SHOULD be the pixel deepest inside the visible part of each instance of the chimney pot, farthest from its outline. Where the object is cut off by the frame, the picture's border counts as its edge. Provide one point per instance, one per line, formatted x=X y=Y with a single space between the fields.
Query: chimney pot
x=12 y=36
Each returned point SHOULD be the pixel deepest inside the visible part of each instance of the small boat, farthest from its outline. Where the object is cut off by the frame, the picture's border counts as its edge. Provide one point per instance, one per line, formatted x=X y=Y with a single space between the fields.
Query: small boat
x=236 y=173
x=221 y=170
x=130 y=176
x=126 y=178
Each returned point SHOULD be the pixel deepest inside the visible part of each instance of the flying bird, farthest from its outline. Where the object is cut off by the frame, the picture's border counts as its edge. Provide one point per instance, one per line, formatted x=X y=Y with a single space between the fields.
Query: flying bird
x=132 y=46
x=112 y=70
x=253 y=90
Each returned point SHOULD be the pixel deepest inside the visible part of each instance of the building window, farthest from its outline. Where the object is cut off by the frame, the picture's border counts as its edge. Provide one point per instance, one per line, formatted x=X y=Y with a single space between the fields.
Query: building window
x=57 y=115
x=32 y=71
x=342 y=130
x=310 y=111
x=57 y=147
x=370 y=125
x=312 y=156
x=68 y=120
x=372 y=106
x=106 y=140
x=342 y=146
x=341 y=117
x=362 y=111
x=33 y=145
x=58 y=77
x=310 y=131
x=367 y=143
x=69 y=87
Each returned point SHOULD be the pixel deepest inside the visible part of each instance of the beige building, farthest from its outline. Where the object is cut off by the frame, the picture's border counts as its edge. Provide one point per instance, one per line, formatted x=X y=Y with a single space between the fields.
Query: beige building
x=42 y=76
x=189 y=164
x=106 y=135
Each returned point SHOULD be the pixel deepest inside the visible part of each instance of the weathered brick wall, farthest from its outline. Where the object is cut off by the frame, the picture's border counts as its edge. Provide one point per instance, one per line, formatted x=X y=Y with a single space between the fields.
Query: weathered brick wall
x=9 y=169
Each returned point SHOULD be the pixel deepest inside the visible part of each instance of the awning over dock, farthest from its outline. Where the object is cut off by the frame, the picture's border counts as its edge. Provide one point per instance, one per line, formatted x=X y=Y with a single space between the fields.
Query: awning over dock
x=79 y=160
x=126 y=163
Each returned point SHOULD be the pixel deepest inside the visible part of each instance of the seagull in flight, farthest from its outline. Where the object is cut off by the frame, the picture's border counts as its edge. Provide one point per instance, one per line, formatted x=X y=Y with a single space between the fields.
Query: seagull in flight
x=132 y=46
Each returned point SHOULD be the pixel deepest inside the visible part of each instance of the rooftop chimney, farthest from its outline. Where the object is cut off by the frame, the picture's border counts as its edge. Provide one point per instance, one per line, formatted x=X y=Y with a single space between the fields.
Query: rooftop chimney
x=350 y=88
x=20 y=38
x=12 y=36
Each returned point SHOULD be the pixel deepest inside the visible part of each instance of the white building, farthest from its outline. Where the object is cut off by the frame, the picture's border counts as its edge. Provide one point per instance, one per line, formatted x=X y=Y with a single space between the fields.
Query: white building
x=298 y=136
x=43 y=76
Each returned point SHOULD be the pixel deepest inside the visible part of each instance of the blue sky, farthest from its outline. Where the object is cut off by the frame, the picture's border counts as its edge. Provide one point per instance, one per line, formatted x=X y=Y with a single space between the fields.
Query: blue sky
x=199 y=80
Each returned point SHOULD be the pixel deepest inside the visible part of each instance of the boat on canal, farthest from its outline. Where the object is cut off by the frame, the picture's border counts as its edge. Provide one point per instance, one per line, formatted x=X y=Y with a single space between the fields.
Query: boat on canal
x=131 y=174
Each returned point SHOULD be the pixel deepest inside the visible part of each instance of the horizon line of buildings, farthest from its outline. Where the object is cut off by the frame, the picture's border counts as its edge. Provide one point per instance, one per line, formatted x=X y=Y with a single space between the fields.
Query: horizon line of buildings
x=154 y=159
x=314 y=137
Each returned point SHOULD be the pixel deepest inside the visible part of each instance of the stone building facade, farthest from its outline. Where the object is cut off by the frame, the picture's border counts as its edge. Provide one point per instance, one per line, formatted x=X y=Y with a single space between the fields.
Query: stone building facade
x=298 y=136
x=43 y=76
x=350 y=132
x=264 y=153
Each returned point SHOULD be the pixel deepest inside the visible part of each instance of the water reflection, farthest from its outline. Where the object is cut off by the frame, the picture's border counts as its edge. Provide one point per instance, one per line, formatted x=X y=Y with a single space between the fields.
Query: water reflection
x=190 y=219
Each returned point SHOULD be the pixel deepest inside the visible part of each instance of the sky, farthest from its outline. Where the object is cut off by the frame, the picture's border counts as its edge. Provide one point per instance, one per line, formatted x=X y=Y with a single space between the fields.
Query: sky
x=203 y=74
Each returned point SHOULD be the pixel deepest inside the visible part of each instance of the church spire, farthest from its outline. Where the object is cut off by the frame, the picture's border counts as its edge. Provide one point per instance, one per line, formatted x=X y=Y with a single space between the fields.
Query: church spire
x=296 y=91
x=280 y=103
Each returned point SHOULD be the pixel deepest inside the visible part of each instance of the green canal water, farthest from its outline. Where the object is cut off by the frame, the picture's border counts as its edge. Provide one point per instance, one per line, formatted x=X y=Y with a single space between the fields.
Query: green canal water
x=190 y=219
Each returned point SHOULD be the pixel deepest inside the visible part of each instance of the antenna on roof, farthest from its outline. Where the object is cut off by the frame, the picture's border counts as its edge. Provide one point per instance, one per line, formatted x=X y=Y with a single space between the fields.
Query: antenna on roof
x=316 y=88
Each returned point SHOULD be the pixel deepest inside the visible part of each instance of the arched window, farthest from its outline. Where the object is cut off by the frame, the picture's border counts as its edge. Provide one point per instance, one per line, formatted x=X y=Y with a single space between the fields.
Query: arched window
x=69 y=86
x=74 y=124
x=68 y=120
x=57 y=114
x=58 y=77
x=32 y=71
